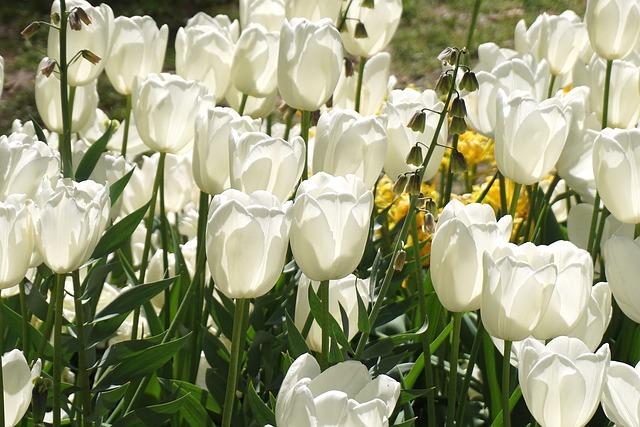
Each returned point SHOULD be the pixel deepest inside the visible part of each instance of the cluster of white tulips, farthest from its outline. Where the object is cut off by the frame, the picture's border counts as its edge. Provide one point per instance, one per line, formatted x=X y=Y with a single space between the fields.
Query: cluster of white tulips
x=275 y=235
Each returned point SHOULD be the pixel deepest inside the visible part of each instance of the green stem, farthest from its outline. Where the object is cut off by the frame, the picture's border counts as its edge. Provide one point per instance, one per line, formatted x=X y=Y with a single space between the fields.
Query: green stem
x=65 y=143
x=545 y=206
x=594 y=223
x=552 y=82
x=491 y=375
x=487 y=188
x=515 y=397
x=514 y=199
x=2 y=344
x=474 y=21
x=237 y=347
x=26 y=316
x=426 y=351
x=288 y=122
x=596 y=243
x=305 y=125
x=363 y=62
x=446 y=195
x=453 y=369
x=503 y=194
x=243 y=104
x=323 y=292
x=199 y=277
x=127 y=123
x=83 y=375
x=607 y=87
x=144 y=263
x=506 y=384
x=57 y=349
x=473 y=356
x=164 y=227
x=533 y=201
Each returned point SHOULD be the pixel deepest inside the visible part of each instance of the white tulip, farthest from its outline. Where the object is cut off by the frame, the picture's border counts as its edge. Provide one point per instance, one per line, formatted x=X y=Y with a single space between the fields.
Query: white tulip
x=211 y=146
x=621 y=394
x=331 y=218
x=164 y=107
x=616 y=165
x=622 y=271
x=268 y=13
x=562 y=381
x=19 y=381
x=344 y=395
x=530 y=137
x=260 y=162
x=342 y=293
x=69 y=222
x=95 y=37
x=491 y=55
x=613 y=26
x=624 y=92
x=138 y=50
x=347 y=143
x=596 y=318
x=309 y=62
x=464 y=232
x=255 y=61
x=204 y=52
x=313 y=10
x=400 y=108
x=247 y=241
x=380 y=21
x=16 y=241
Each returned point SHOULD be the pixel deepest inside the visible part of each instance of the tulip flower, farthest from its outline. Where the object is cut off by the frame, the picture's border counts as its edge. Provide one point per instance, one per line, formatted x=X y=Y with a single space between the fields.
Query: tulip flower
x=260 y=162
x=268 y=13
x=616 y=165
x=464 y=232
x=621 y=394
x=70 y=219
x=247 y=240
x=530 y=137
x=524 y=74
x=135 y=146
x=595 y=320
x=491 y=55
x=204 y=52
x=375 y=81
x=16 y=241
x=622 y=271
x=211 y=146
x=347 y=143
x=309 y=62
x=24 y=162
x=164 y=107
x=253 y=70
x=571 y=292
x=18 y=385
x=330 y=225
x=313 y=10
x=481 y=104
x=613 y=26
x=624 y=92
x=138 y=50
x=48 y=102
x=380 y=21
x=401 y=107
x=518 y=285
x=95 y=37
x=562 y=381
x=558 y=39
x=343 y=395
x=342 y=293
x=257 y=108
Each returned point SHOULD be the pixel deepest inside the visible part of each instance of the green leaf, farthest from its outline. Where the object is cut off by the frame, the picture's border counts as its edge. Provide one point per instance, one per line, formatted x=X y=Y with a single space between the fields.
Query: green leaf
x=394 y=310
x=297 y=344
x=36 y=302
x=104 y=328
x=262 y=413
x=14 y=321
x=119 y=233
x=144 y=363
x=39 y=131
x=363 y=316
x=119 y=352
x=116 y=189
x=91 y=157
x=151 y=415
x=201 y=397
x=316 y=307
x=134 y=297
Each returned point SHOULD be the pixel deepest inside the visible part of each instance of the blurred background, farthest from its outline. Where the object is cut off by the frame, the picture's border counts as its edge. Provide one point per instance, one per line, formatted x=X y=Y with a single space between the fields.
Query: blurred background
x=427 y=27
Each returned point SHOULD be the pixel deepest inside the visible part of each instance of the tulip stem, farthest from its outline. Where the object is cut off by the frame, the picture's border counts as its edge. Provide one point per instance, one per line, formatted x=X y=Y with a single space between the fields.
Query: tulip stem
x=598 y=239
x=243 y=104
x=514 y=199
x=200 y=317
x=164 y=227
x=83 y=377
x=323 y=292
x=65 y=145
x=363 y=62
x=607 y=87
x=57 y=349
x=594 y=223
x=503 y=194
x=304 y=131
x=1 y=365
x=446 y=195
x=237 y=346
x=474 y=21
x=147 y=239
x=288 y=122
x=26 y=345
x=473 y=355
x=127 y=123
x=552 y=83
x=506 y=384
x=453 y=369
x=544 y=208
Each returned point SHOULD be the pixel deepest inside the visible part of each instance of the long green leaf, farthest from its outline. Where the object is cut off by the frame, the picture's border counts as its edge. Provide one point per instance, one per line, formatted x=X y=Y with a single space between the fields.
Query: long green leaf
x=116 y=189
x=154 y=415
x=134 y=297
x=91 y=157
x=262 y=413
x=119 y=233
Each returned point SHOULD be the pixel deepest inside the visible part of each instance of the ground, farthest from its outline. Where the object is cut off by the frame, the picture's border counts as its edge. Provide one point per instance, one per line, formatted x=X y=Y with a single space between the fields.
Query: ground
x=427 y=27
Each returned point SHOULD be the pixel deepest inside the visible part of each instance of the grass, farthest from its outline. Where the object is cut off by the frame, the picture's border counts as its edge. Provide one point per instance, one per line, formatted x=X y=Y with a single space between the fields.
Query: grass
x=427 y=27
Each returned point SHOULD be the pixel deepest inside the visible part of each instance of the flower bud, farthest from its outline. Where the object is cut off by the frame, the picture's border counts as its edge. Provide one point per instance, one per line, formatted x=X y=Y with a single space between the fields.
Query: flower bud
x=360 y=31
x=55 y=18
x=368 y=30
x=429 y=224
x=400 y=185
x=369 y=4
x=418 y=122
x=90 y=56
x=457 y=126
x=399 y=260
x=80 y=13
x=74 y=21
x=449 y=55
x=348 y=67
x=443 y=85
x=415 y=156
x=18 y=385
x=469 y=82
x=459 y=163
x=414 y=185
x=458 y=108
x=30 y=30
x=47 y=67
x=16 y=241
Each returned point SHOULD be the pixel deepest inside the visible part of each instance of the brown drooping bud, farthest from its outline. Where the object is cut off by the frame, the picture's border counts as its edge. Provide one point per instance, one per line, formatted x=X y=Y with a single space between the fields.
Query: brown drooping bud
x=418 y=122
x=414 y=184
x=430 y=205
x=82 y=15
x=400 y=185
x=90 y=56
x=469 y=82
x=30 y=30
x=449 y=55
x=348 y=67
x=48 y=67
x=459 y=163
x=368 y=4
x=458 y=108
x=74 y=21
x=361 y=31
x=429 y=224
x=443 y=85
x=415 y=156
x=399 y=260
x=55 y=18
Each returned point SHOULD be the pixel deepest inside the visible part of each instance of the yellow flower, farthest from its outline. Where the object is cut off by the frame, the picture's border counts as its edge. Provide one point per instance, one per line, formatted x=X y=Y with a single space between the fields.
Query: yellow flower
x=475 y=148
